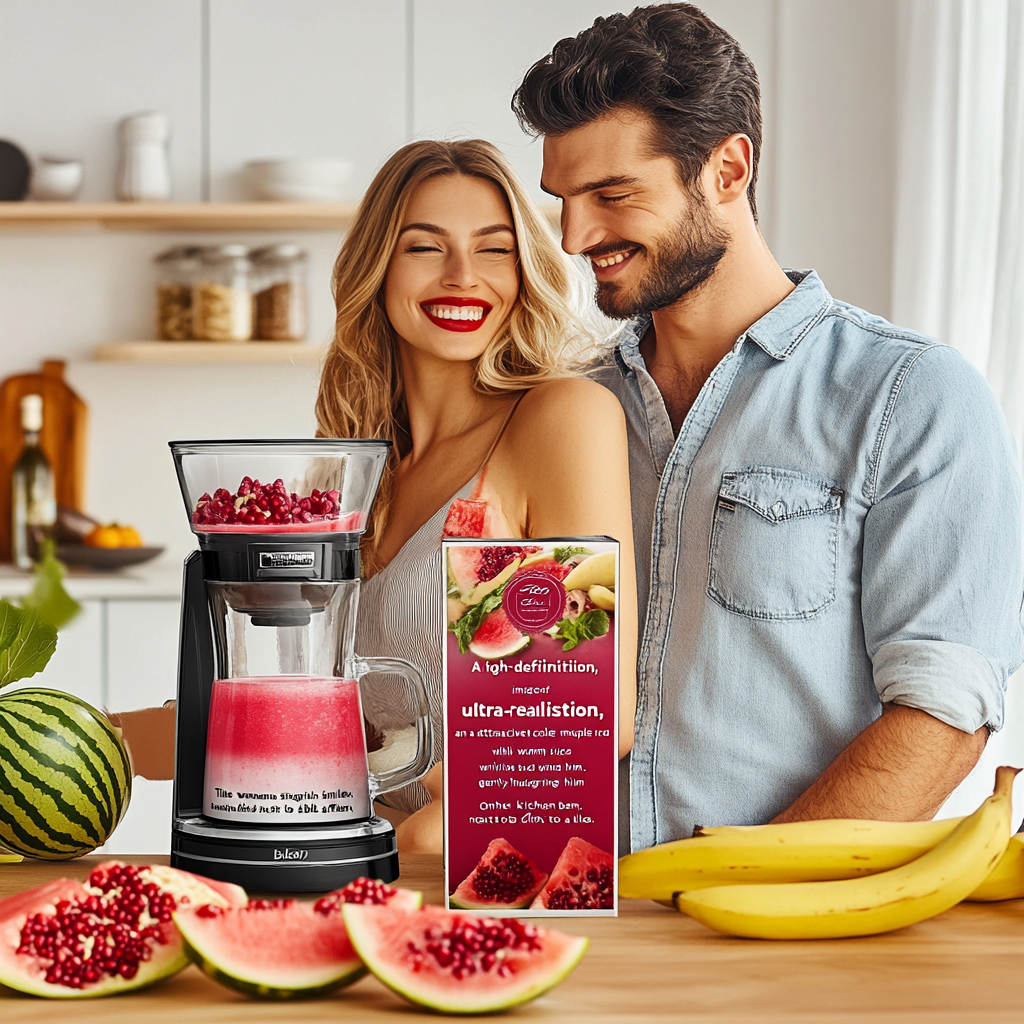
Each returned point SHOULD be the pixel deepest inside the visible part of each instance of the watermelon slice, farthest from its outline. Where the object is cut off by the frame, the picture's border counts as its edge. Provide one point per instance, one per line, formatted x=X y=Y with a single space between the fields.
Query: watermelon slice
x=283 y=949
x=460 y=963
x=503 y=879
x=48 y=935
x=465 y=518
x=583 y=878
x=496 y=637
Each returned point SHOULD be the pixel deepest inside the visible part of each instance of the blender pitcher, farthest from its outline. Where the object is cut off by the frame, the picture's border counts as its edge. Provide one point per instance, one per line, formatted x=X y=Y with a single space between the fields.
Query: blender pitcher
x=286 y=740
x=285 y=734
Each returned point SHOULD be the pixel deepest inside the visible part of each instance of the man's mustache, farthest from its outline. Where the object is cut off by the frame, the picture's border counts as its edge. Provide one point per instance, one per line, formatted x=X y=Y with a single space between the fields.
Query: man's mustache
x=611 y=247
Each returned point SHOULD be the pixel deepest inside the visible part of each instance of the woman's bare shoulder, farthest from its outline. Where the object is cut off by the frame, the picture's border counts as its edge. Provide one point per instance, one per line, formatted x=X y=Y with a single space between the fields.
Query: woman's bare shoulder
x=568 y=396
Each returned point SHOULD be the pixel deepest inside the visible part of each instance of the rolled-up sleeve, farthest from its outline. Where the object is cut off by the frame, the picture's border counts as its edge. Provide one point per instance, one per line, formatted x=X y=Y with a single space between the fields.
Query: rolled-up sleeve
x=941 y=584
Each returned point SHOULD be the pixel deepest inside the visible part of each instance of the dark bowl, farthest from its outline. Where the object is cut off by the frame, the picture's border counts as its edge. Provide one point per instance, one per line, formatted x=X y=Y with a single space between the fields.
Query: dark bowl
x=105 y=558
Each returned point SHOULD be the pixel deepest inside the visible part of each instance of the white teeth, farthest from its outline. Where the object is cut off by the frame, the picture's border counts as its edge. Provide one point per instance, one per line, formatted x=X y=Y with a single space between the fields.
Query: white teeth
x=608 y=261
x=456 y=312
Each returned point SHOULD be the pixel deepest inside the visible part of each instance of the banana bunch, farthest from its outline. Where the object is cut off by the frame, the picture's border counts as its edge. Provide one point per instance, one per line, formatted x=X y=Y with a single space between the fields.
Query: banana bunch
x=1006 y=880
x=828 y=879
x=803 y=851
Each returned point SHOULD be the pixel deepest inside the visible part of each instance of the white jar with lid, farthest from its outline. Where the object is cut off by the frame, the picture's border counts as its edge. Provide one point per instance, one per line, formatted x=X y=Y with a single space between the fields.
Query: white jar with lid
x=144 y=172
x=221 y=297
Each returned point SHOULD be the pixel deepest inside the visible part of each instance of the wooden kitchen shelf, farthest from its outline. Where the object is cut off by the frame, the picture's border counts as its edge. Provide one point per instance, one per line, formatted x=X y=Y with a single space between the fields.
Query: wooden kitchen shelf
x=191 y=352
x=30 y=215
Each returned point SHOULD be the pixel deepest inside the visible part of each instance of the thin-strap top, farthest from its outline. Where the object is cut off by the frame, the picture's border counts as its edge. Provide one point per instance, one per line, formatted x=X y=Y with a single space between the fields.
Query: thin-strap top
x=402 y=615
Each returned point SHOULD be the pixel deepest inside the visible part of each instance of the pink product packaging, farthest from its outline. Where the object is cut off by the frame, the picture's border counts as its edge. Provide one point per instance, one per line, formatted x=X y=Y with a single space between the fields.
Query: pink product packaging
x=531 y=726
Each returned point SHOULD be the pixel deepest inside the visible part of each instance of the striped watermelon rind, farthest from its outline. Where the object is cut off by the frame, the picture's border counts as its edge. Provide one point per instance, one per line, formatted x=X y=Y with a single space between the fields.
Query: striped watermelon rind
x=65 y=776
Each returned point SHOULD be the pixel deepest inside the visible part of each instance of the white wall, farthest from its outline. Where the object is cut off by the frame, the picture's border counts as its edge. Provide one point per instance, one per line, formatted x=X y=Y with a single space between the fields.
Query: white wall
x=245 y=79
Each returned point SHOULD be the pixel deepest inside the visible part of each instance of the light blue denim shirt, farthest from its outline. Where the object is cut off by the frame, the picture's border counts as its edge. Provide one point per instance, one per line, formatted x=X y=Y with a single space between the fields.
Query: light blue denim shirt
x=837 y=526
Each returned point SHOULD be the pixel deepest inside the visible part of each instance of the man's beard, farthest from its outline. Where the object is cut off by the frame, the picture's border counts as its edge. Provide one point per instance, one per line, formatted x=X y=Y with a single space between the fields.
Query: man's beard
x=681 y=261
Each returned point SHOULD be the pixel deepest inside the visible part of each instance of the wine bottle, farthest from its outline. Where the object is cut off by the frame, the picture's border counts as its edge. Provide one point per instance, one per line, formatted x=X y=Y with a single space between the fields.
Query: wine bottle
x=34 y=505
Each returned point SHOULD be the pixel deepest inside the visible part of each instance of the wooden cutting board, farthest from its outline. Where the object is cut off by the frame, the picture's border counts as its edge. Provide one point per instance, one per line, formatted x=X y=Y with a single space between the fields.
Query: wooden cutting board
x=63 y=439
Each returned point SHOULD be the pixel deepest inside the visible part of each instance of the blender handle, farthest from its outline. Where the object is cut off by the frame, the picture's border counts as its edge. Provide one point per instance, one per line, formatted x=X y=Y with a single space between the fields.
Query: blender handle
x=385 y=782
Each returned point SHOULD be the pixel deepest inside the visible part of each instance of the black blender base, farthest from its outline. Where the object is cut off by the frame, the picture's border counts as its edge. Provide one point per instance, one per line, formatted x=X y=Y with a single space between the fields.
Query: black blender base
x=294 y=865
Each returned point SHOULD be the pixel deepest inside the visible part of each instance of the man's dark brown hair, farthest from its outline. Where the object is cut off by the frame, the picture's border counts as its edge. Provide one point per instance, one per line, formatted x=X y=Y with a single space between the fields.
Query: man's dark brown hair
x=670 y=62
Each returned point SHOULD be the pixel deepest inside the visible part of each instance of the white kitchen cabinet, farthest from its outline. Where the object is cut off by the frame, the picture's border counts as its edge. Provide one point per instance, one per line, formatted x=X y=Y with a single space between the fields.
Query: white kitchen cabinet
x=71 y=70
x=306 y=78
x=142 y=653
x=470 y=55
x=77 y=665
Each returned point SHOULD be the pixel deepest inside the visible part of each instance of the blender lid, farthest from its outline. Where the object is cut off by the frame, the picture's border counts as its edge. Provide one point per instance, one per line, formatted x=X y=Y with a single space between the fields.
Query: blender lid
x=280 y=487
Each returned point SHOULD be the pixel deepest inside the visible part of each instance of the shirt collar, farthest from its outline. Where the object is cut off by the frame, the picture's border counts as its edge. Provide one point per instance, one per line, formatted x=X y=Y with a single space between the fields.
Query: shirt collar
x=777 y=333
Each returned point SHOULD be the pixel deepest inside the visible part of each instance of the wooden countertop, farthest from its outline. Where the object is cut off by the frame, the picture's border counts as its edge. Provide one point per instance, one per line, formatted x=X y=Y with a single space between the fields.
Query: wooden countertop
x=648 y=964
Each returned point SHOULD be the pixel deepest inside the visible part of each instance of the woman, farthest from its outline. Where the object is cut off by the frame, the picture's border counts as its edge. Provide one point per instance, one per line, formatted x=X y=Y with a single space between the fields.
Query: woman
x=454 y=340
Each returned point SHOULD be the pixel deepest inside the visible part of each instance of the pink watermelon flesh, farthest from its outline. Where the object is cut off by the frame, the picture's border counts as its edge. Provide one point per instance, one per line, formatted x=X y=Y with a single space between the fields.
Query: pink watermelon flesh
x=464 y=564
x=496 y=637
x=130 y=906
x=460 y=963
x=503 y=879
x=465 y=518
x=583 y=878
x=283 y=949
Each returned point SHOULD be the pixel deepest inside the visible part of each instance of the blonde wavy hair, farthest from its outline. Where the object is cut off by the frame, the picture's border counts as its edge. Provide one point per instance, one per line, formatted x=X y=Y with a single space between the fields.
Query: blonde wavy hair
x=361 y=390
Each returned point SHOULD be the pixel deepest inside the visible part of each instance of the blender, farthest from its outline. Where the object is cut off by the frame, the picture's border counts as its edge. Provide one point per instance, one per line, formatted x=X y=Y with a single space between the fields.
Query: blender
x=279 y=754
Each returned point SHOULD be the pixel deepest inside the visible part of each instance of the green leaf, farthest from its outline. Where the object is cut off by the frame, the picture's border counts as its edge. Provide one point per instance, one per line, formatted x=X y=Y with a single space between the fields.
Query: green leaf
x=584 y=627
x=26 y=643
x=564 y=554
x=48 y=598
x=470 y=620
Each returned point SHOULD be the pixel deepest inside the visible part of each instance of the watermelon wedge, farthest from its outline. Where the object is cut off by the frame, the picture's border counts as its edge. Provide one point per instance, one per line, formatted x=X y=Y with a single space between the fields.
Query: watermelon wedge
x=503 y=879
x=460 y=963
x=496 y=637
x=283 y=949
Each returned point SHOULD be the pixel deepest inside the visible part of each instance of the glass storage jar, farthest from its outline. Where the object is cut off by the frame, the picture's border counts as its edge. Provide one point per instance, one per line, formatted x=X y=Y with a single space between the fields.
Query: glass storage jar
x=176 y=268
x=279 y=273
x=221 y=297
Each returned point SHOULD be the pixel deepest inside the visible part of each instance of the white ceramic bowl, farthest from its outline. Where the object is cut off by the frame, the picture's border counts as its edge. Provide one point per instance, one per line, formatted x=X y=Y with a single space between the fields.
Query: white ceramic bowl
x=317 y=179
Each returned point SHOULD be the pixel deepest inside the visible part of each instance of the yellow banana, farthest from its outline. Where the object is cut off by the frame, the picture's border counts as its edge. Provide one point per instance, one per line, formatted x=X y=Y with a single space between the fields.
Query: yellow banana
x=1006 y=880
x=11 y=858
x=884 y=902
x=801 y=851
x=597 y=569
x=602 y=597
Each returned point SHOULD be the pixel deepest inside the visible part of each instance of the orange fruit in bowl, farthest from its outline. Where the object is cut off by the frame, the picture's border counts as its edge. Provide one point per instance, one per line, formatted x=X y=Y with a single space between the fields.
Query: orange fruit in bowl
x=113 y=536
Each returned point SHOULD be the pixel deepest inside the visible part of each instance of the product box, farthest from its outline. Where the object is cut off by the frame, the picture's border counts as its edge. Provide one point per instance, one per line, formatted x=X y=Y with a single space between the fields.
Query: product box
x=531 y=726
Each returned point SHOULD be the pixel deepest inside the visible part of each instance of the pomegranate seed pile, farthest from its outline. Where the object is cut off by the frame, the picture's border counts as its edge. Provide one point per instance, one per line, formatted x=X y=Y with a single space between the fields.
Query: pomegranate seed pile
x=474 y=944
x=504 y=879
x=593 y=891
x=256 y=504
x=103 y=934
x=362 y=890
x=493 y=560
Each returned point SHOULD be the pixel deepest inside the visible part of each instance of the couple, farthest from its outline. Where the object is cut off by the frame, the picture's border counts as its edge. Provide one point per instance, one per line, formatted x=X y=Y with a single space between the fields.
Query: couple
x=825 y=508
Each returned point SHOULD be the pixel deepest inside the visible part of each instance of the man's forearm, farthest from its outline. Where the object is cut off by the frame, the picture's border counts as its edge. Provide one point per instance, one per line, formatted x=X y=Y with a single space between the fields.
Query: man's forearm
x=900 y=768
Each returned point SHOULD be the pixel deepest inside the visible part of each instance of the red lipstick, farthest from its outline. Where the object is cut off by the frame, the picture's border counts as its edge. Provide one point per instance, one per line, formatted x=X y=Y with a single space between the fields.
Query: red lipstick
x=476 y=307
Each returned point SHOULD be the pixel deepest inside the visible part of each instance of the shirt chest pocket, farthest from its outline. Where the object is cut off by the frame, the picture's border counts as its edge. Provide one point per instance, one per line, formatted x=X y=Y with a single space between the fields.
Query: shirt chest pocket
x=773 y=543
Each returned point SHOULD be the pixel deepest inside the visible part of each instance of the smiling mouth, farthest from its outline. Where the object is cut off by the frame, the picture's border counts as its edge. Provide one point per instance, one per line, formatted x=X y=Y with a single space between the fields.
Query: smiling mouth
x=611 y=259
x=456 y=314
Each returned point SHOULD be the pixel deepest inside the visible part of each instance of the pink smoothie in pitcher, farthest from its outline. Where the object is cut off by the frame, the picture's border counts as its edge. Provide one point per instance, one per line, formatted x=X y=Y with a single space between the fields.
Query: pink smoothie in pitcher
x=286 y=750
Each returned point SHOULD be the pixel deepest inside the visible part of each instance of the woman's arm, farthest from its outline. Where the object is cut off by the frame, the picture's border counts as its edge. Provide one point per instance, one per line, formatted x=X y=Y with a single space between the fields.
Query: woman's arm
x=563 y=470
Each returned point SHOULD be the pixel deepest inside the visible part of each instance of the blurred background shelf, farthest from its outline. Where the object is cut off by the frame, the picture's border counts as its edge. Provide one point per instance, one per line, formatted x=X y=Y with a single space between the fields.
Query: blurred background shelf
x=187 y=352
x=263 y=216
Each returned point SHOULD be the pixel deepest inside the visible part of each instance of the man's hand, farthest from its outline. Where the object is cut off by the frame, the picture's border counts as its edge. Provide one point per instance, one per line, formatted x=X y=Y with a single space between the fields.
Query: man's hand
x=902 y=767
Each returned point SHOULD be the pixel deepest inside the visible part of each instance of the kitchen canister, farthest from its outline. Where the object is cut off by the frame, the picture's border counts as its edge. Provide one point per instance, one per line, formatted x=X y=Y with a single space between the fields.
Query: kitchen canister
x=221 y=295
x=279 y=284
x=144 y=171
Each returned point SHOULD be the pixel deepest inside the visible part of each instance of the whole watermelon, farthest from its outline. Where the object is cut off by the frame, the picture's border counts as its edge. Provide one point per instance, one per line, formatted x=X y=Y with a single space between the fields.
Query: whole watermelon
x=65 y=777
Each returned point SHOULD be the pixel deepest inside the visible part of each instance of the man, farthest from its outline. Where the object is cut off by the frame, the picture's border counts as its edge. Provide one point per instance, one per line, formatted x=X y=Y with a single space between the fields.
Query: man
x=827 y=507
